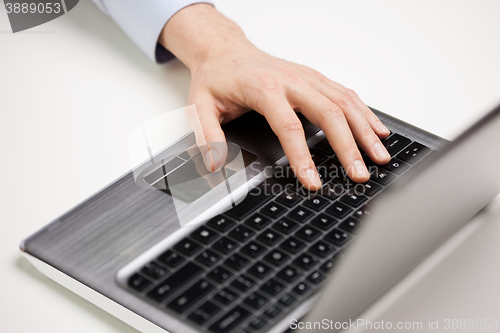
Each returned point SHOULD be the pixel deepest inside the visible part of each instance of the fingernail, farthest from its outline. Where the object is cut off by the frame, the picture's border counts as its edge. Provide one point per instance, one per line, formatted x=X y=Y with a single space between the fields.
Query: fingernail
x=380 y=151
x=360 y=169
x=210 y=158
x=382 y=128
x=313 y=177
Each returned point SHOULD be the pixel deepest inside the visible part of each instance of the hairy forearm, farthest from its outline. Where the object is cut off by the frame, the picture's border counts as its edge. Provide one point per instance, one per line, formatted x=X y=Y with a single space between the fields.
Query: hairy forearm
x=199 y=32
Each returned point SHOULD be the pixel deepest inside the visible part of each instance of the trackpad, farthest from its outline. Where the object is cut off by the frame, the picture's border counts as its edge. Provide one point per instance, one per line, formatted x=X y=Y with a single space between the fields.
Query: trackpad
x=185 y=177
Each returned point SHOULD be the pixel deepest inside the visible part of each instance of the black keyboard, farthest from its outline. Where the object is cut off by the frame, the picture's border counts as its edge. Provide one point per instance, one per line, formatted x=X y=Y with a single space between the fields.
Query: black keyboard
x=247 y=268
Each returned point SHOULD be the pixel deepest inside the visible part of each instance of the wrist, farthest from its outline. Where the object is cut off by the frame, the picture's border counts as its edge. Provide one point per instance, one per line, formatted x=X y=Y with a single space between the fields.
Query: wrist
x=198 y=33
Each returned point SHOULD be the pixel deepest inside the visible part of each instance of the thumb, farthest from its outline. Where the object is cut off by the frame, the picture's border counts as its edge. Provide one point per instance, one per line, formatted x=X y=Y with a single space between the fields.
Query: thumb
x=202 y=115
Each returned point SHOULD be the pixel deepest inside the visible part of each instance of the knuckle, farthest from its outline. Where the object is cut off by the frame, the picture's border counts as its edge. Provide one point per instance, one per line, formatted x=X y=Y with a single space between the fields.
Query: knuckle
x=201 y=137
x=346 y=100
x=367 y=132
x=351 y=93
x=291 y=76
x=205 y=134
x=323 y=79
x=369 y=114
x=292 y=124
x=332 y=111
x=350 y=147
x=268 y=83
x=302 y=158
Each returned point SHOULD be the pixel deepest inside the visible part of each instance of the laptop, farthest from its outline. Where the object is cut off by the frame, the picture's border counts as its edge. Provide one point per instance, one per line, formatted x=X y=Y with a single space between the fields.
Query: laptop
x=167 y=248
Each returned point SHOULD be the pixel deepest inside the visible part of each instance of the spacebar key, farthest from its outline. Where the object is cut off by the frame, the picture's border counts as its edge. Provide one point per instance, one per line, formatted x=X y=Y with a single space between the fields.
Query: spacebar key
x=254 y=199
x=230 y=320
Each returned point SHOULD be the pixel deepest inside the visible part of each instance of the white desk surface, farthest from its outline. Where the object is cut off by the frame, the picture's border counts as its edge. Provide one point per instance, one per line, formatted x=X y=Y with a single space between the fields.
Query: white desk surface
x=73 y=89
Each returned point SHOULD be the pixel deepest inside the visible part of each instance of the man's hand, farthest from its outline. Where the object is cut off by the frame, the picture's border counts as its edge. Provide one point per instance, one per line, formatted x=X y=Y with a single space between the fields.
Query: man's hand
x=230 y=76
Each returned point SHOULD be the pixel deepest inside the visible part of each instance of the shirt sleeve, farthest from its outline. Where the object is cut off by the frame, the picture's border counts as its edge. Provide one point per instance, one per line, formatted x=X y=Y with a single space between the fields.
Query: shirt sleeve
x=143 y=21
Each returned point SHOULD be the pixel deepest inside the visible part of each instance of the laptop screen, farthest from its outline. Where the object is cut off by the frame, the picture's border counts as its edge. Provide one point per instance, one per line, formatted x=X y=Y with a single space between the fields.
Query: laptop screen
x=419 y=213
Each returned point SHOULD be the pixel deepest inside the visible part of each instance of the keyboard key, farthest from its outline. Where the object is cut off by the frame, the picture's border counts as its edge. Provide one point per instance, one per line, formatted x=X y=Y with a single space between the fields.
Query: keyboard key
x=236 y=262
x=203 y=313
x=230 y=320
x=285 y=174
x=353 y=199
x=308 y=233
x=300 y=214
x=171 y=259
x=316 y=203
x=258 y=323
x=272 y=287
x=287 y=300
x=325 y=147
x=259 y=270
x=187 y=246
x=241 y=233
x=414 y=152
x=292 y=245
x=305 y=261
x=298 y=188
x=221 y=223
x=243 y=283
x=381 y=176
x=253 y=249
x=285 y=225
x=316 y=277
x=317 y=156
x=301 y=288
x=337 y=237
x=351 y=224
x=138 y=283
x=219 y=274
x=397 y=166
x=224 y=245
x=321 y=249
x=208 y=258
x=154 y=270
x=276 y=257
x=257 y=221
x=362 y=212
x=256 y=300
x=288 y=274
x=253 y=200
x=269 y=237
x=331 y=170
x=395 y=143
x=332 y=190
x=327 y=266
x=226 y=296
x=204 y=235
x=173 y=282
x=272 y=312
x=273 y=210
x=343 y=183
x=324 y=221
x=323 y=174
x=288 y=198
x=369 y=163
x=370 y=188
x=338 y=210
x=182 y=302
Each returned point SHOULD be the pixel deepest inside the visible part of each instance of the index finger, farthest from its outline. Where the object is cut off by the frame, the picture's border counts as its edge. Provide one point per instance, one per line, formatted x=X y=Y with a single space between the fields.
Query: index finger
x=288 y=128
